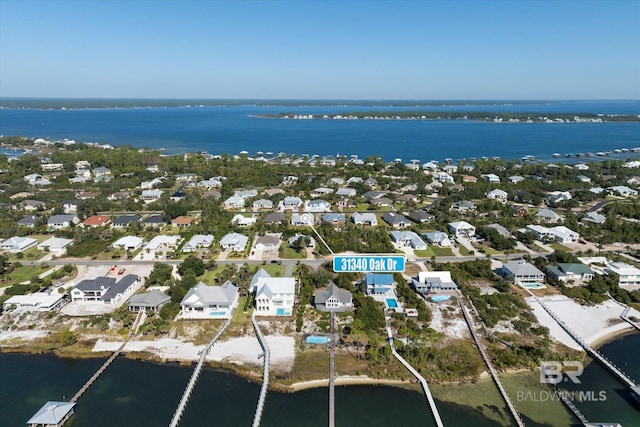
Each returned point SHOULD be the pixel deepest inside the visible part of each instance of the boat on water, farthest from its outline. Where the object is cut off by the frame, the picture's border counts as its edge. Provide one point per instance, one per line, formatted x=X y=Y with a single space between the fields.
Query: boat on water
x=556 y=155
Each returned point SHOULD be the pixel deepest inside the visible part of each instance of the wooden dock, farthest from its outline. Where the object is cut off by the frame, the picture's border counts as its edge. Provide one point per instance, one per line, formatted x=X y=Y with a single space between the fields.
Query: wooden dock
x=487 y=360
x=257 y=418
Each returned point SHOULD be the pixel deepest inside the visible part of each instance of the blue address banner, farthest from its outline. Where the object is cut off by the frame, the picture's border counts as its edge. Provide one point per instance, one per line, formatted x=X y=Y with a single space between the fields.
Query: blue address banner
x=368 y=263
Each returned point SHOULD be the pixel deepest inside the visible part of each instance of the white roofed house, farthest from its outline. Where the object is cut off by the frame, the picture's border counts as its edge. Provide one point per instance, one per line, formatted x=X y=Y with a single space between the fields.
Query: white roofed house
x=462 y=229
x=321 y=191
x=145 y=185
x=18 y=244
x=198 y=241
x=318 y=206
x=433 y=281
x=209 y=302
x=291 y=202
x=547 y=215
x=491 y=177
x=346 y=192
x=497 y=194
x=275 y=296
x=163 y=242
x=627 y=273
x=128 y=243
x=594 y=217
x=234 y=202
x=521 y=272
x=57 y=245
x=332 y=299
x=408 y=238
x=234 y=241
x=367 y=218
x=623 y=190
x=151 y=195
x=304 y=219
x=244 y=221
x=438 y=238
x=563 y=234
x=262 y=204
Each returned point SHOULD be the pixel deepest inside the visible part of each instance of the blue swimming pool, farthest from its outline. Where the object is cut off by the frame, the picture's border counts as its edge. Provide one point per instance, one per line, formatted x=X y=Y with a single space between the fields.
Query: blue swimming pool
x=218 y=313
x=317 y=340
x=391 y=303
x=440 y=298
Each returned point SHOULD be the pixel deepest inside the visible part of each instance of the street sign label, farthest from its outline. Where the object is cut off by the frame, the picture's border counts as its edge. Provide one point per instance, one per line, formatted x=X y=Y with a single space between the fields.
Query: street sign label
x=368 y=263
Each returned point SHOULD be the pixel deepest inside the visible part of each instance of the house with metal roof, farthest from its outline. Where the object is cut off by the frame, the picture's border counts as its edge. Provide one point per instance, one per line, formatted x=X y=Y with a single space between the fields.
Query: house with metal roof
x=438 y=238
x=91 y=290
x=332 y=299
x=198 y=241
x=275 y=296
x=28 y=221
x=521 y=272
x=462 y=229
x=151 y=301
x=55 y=244
x=57 y=222
x=367 y=218
x=18 y=244
x=570 y=271
x=433 y=281
x=234 y=241
x=209 y=302
x=52 y=414
x=124 y=220
x=121 y=289
x=408 y=238
x=396 y=220
x=128 y=243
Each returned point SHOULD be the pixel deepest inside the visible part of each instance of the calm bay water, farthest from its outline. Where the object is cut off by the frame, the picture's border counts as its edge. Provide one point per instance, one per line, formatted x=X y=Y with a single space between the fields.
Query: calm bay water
x=232 y=128
x=135 y=393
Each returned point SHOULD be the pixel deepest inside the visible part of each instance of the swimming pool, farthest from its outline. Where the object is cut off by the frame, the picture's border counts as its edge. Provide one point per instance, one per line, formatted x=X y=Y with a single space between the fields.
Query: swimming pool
x=218 y=313
x=440 y=298
x=392 y=303
x=317 y=340
x=533 y=285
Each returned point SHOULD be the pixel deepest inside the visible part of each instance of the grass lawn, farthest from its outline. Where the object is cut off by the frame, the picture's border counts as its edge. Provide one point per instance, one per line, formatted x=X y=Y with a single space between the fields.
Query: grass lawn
x=489 y=250
x=463 y=250
x=29 y=254
x=274 y=270
x=22 y=274
x=559 y=247
x=210 y=276
x=287 y=252
x=438 y=251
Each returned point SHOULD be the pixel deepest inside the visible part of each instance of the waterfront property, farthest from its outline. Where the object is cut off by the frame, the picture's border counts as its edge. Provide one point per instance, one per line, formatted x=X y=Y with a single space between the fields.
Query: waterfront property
x=104 y=289
x=628 y=274
x=148 y=301
x=521 y=272
x=433 y=281
x=37 y=301
x=570 y=271
x=332 y=299
x=209 y=302
x=378 y=284
x=274 y=295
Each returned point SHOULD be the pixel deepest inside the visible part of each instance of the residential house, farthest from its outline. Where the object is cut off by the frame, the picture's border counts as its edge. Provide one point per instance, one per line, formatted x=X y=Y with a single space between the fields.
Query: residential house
x=594 y=218
x=379 y=284
x=500 y=229
x=463 y=206
x=209 y=183
x=408 y=238
x=311 y=242
x=570 y=271
x=37 y=301
x=92 y=290
x=198 y=241
x=121 y=289
x=556 y=197
x=57 y=222
x=118 y=195
x=395 y=220
x=18 y=244
x=262 y=204
x=101 y=171
x=583 y=178
x=444 y=177
x=623 y=190
x=438 y=238
x=151 y=195
x=209 y=302
x=186 y=177
x=274 y=218
x=497 y=194
x=96 y=221
x=334 y=218
x=32 y=178
x=407 y=198
x=491 y=177
x=372 y=195
x=462 y=229
x=124 y=220
x=56 y=245
x=332 y=299
x=515 y=179
x=469 y=178
x=370 y=182
x=182 y=221
x=274 y=296
x=304 y=219
x=69 y=206
x=234 y=241
x=322 y=191
x=318 y=206
x=155 y=220
x=128 y=243
x=28 y=221
x=244 y=221
x=421 y=216
x=346 y=192
x=151 y=301
x=433 y=281
x=31 y=205
x=292 y=202
x=521 y=272
x=367 y=218
x=267 y=242
x=147 y=185
x=547 y=215
x=162 y=241
x=628 y=275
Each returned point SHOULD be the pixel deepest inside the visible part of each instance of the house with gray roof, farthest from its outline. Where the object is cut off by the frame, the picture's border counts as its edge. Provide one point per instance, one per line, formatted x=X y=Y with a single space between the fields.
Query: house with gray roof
x=124 y=220
x=274 y=218
x=209 y=302
x=408 y=238
x=547 y=215
x=332 y=299
x=334 y=218
x=155 y=220
x=346 y=192
x=28 y=221
x=262 y=204
x=52 y=414
x=594 y=218
x=91 y=290
x=367 y=218
x=433 y=281
x=57 y=222
x=395 y=220
x=421 y=216
x=119 y=290
x=521 y=272
x=18 y=244
x=438 y=238
x=198 y=241
x=234 y=241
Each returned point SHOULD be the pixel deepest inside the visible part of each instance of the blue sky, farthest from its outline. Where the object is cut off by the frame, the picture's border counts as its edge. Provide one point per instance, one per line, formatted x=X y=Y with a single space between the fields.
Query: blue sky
x=321 y=49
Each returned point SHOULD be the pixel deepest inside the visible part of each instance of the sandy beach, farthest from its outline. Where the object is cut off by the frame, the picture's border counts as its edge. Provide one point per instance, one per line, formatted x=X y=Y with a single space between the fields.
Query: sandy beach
x=595 y=324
